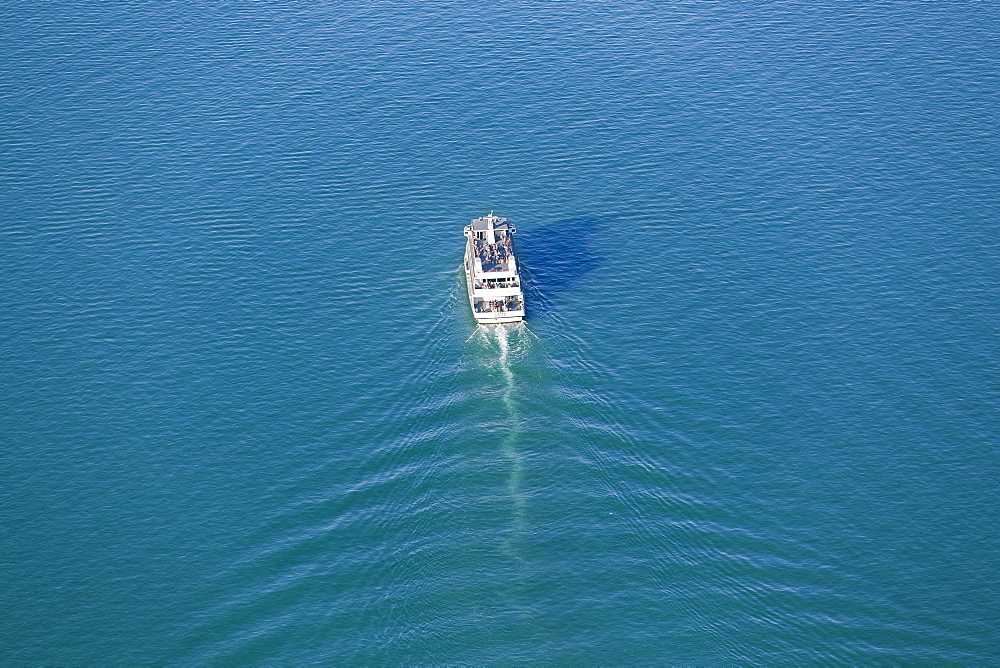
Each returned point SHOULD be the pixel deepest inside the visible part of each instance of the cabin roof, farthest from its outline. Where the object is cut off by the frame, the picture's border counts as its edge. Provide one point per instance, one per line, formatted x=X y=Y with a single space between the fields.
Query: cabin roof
x=482 y=224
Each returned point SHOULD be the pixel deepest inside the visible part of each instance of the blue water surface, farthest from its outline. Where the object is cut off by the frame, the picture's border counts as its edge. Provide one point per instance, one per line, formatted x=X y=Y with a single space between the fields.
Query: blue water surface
x=247 y=418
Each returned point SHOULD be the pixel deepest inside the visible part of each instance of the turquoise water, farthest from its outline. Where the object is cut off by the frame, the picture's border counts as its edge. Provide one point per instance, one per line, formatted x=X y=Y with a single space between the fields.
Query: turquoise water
x=247 y=417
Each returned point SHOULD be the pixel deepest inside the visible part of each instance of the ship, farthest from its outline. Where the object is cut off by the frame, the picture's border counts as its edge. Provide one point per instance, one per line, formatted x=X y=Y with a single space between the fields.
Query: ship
x=491 y=271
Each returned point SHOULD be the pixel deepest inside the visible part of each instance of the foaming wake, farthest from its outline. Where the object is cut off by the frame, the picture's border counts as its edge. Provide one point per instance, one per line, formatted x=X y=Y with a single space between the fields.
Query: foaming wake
x=511 y=343
x=509 y=446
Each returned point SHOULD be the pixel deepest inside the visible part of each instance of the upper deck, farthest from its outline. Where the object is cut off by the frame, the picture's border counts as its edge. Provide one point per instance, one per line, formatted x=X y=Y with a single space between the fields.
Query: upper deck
x=497 y=257
x=490 y=245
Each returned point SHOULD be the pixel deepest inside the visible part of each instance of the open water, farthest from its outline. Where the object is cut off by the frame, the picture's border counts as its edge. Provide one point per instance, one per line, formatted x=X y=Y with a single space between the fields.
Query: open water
x=246 y=416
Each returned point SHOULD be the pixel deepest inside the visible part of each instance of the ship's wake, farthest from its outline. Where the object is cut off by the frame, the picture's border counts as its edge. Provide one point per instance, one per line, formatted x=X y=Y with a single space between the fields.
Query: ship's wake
x=509 y=343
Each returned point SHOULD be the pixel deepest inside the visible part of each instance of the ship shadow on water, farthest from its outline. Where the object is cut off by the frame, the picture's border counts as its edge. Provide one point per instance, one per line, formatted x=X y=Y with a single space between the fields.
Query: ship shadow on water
x=555 y=257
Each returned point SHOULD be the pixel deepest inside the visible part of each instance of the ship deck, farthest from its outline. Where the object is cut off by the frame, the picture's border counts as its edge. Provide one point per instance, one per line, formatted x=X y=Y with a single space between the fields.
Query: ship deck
x=503 y=305
x=495 y=257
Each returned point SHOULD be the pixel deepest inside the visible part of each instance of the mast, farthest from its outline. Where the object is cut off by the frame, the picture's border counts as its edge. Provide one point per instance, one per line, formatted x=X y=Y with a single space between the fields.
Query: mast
x=489 y=227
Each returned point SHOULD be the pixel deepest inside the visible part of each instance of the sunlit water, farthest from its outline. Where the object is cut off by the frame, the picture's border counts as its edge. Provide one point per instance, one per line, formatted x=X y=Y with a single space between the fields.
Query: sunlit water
x=247 y=416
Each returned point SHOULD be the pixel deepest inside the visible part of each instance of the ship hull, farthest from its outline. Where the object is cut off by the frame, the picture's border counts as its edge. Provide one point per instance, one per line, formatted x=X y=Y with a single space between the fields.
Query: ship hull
x=491 y=272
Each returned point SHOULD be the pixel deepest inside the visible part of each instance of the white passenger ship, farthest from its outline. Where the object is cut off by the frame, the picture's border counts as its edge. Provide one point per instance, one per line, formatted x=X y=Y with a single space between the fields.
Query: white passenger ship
x=491 y=271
